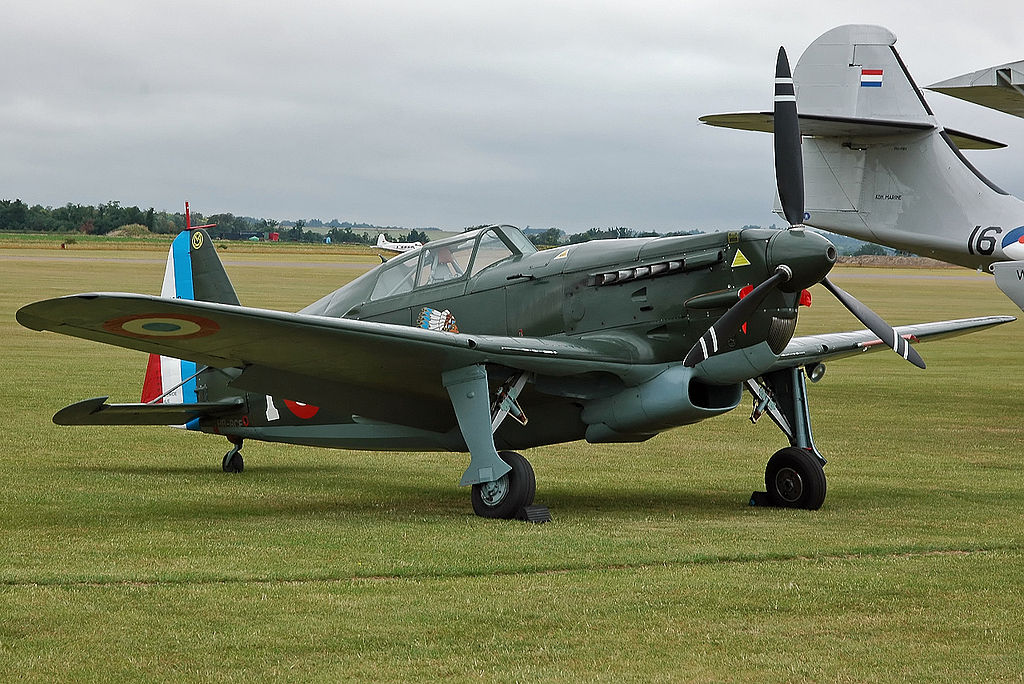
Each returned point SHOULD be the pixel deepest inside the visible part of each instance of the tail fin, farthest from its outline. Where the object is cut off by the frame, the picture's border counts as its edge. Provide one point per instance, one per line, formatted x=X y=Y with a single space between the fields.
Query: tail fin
x=194 y=271
x=877 y=164
x=911 y=189
x=854 y=72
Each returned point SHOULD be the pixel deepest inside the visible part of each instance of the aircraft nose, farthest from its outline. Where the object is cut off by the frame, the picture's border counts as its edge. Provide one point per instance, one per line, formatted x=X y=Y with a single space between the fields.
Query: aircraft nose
x=808 y=255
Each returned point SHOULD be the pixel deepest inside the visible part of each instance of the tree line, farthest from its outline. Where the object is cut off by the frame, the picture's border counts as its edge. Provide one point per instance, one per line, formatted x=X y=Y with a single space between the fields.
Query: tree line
x=555 y=237
x=102 y=219
x=17 y=216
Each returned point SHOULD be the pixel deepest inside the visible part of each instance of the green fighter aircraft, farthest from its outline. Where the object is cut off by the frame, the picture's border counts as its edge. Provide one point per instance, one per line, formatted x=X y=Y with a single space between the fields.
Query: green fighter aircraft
x=608 y=341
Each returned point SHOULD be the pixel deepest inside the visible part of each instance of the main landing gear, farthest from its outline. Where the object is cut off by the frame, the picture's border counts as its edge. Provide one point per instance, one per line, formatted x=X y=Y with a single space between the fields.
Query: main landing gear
x=503 y=485
x=794 y=477
x=510 y=493
x=232 y=462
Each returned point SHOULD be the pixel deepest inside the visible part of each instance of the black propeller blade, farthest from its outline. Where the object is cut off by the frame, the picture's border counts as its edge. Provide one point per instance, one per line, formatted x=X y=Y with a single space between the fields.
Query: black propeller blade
x=732 y=319
x=789 y=164
x=789 y=175
x=875 y=323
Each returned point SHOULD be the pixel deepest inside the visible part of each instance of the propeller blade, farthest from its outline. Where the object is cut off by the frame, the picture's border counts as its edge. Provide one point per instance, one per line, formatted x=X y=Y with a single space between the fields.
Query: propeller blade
x=789 y=163
x=732 y=319
x=875 y=323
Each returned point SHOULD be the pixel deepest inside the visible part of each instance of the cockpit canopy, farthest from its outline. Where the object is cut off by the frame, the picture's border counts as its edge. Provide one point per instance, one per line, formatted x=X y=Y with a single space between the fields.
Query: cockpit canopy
x=443 y=261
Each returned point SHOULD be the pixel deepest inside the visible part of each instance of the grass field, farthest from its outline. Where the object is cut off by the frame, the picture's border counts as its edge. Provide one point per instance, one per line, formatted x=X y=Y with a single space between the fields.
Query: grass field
x=126 y=554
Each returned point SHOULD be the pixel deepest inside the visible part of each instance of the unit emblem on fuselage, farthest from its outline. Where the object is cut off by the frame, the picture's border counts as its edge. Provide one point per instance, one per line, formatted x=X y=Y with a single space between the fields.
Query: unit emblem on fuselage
x=441 y=321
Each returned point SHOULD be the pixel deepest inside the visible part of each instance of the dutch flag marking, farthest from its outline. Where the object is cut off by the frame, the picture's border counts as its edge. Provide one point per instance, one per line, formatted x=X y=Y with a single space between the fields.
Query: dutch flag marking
x=870 y=78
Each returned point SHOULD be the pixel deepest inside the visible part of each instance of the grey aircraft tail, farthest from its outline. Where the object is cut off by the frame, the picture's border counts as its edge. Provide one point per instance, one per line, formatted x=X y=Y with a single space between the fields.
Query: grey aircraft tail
x=879 y=167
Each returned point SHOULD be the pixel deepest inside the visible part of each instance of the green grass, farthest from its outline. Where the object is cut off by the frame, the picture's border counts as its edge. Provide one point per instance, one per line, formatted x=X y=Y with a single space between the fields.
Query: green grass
x=126 y=554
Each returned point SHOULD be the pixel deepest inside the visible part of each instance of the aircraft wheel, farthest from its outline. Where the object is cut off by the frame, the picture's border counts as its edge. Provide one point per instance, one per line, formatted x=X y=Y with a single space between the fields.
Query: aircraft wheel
x=504 y=497
x=795 y=479
x=233 y=462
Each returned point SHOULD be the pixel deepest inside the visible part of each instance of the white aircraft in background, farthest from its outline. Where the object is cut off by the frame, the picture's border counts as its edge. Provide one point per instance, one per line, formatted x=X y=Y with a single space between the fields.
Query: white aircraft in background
x=383 y=243
x=878 y=166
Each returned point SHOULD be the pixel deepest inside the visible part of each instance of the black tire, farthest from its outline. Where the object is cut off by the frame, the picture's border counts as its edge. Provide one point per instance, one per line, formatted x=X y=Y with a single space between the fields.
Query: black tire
x=232 y=462
x=795 y=479
x=507 y=496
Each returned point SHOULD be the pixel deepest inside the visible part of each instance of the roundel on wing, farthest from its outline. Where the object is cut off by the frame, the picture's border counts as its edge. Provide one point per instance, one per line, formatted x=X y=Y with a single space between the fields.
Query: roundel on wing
x=304 y=411
x=161 y=325
x=1013 y=243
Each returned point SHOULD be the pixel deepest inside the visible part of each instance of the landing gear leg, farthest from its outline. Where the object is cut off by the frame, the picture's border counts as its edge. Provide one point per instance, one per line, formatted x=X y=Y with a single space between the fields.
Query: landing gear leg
x=794 y=477
x=503 y=484
x=232 y=462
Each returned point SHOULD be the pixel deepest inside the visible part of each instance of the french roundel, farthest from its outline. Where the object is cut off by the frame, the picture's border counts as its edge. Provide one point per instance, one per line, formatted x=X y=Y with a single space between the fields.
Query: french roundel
x=1013 y=243
x=162 y=325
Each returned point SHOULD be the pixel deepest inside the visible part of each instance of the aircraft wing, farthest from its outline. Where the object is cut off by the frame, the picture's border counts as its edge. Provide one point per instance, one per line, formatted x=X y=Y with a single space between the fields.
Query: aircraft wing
x=354 y=365
x=802 y=351
x=321 y=360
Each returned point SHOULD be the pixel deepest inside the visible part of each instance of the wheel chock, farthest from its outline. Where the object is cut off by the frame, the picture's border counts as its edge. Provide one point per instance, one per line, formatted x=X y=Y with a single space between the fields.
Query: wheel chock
x=760 y=499
x=535 y=514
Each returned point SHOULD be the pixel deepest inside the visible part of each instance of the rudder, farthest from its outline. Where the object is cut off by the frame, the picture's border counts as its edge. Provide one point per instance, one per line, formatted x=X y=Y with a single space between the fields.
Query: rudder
x=193 y=271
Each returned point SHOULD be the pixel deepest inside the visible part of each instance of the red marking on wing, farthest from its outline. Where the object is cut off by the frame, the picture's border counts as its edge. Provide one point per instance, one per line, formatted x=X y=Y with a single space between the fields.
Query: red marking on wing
x=304 y=411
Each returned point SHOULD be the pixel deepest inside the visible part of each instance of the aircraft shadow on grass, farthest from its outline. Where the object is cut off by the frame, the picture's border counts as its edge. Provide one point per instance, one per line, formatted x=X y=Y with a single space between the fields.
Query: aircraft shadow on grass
x=346 y=489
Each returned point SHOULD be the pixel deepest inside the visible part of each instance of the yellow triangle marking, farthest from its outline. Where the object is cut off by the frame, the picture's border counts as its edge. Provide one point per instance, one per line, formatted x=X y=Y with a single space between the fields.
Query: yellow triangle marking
x=740 y=260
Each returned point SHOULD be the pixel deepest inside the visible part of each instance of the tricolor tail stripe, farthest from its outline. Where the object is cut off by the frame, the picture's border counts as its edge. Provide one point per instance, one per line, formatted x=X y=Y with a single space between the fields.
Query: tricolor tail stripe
x=162 y=372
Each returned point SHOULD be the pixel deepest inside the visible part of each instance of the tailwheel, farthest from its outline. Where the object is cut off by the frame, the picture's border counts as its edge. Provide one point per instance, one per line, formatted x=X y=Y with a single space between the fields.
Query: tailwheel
x=508 y=495
x=795 y=479
x=233 y=462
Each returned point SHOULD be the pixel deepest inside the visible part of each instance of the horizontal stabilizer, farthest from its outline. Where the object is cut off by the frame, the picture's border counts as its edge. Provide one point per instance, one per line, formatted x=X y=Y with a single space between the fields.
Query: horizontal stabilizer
x=97 y=411
x=842 y=127
x=999 y=87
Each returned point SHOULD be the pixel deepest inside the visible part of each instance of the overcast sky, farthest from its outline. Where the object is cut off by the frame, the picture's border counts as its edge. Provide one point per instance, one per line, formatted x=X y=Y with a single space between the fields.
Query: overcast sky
x=448 y=114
